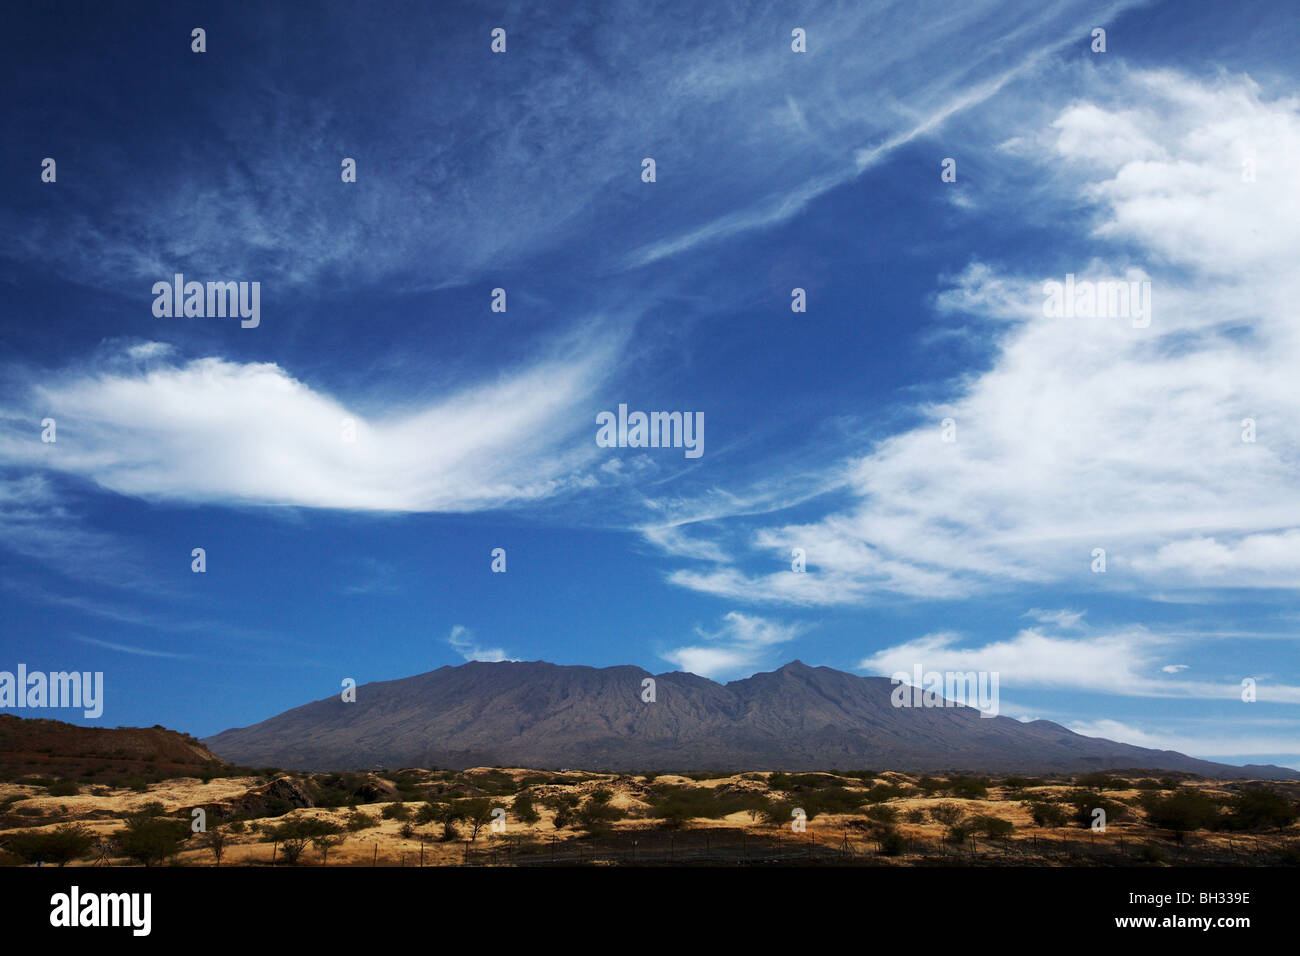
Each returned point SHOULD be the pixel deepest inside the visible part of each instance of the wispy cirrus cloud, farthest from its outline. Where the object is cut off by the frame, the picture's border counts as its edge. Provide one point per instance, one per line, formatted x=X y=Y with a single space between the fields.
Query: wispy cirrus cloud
x=1099 y=433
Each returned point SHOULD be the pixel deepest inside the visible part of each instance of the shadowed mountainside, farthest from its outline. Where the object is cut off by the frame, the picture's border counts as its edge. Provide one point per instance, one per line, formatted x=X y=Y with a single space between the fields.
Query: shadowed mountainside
x=54 y=748
x=536 y=714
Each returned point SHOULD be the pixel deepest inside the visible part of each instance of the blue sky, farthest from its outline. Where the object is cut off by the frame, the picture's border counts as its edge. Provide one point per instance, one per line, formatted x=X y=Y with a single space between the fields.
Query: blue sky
x=775 y=170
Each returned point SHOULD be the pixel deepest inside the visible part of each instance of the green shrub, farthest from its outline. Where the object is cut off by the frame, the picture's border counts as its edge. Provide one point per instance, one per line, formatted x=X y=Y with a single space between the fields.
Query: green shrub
x=58 y=846
x=476 y=812
x=1085 y=803
x=150 y=839
x=1048 y=814
x=63 y=788
x=676 y=804
x=958 y=833
x=946 y=813
x=523 y=808
x=882 y=792
x=1260 y=808
x=294 y=835
x=892 y=843
x=992 y=827
x=358 y=821
x=969 y=788
x=1183 y=812
x=1102 y=781
x=395 y=811
x=882 y=814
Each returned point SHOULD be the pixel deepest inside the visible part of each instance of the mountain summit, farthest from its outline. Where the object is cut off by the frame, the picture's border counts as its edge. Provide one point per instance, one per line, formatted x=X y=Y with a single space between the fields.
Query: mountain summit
x=535 y=714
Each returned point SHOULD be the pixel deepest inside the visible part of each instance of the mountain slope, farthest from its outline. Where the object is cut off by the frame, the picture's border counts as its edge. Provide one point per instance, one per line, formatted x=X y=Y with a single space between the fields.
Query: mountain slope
x=54 y=748
x=535 y=714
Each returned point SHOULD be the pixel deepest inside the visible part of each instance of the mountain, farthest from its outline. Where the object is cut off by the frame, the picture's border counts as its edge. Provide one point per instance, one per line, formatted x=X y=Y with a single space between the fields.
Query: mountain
x=535 y=714
x=52 y=748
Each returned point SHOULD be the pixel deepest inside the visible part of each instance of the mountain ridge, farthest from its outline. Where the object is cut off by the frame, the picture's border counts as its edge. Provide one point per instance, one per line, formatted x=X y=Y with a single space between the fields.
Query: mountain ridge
x=797 y=717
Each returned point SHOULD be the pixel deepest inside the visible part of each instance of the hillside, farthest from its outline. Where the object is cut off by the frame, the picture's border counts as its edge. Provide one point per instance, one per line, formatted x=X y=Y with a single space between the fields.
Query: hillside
x=547 y=715
x=54 y=748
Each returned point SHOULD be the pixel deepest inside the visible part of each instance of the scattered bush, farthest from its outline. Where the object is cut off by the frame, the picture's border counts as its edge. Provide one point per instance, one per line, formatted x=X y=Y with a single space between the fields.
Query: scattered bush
x=991 y=827
x=1185 y=811
x=969 y=788
x=882 y=792
x=358 y=821
x=476 y=812
x=1261 y=808
x=882 y=814
x=395 y=811
x=58 y=846
x=946 y=813
x=958 y=833
x=892 y=843
x=929 y=786
x=677 y=804
x=150 y=838
x=294 y=835
x=523 y=808
x=1048 y=814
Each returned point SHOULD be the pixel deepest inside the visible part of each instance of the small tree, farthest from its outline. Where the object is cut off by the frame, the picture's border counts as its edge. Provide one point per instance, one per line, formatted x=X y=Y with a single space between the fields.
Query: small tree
x=329 y=836
x=523 y=808
x=892 y=843
x=992 y=827
x=294 y=835
x=215 y=840
x=67 y=842
x=477 y=812
x=150 y=839
x=882 y=813
x=971 y=788
x=946 y=813
x=1258 y=808
x=1185 y=811
x=1048 y=814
